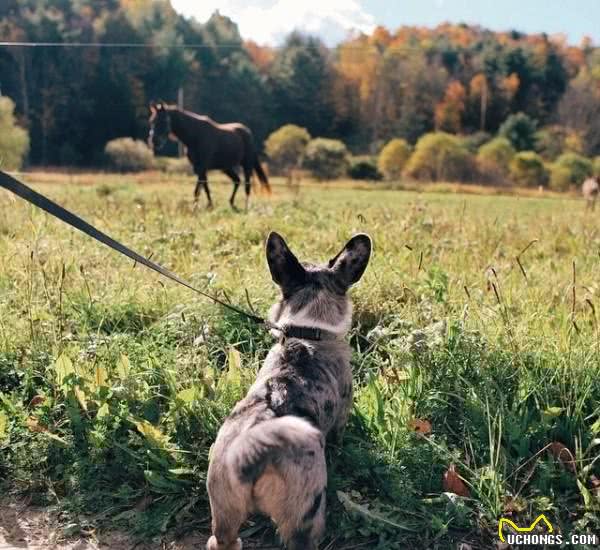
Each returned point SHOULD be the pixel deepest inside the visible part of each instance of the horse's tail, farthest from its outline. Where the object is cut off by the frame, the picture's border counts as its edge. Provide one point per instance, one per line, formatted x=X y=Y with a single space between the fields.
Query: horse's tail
x=261 y=174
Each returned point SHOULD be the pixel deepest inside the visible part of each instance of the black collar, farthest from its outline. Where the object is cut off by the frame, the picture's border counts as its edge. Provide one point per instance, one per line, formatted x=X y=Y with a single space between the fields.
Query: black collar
x=307 y=333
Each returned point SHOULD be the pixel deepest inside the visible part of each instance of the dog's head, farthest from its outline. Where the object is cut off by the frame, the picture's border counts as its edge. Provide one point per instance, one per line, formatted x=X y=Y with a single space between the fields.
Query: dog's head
x=316 y=295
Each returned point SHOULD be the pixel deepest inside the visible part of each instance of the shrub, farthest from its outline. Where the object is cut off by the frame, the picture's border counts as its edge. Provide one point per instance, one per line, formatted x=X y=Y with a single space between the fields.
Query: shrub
x=596 y=166
x=14 y=140
x=173 y=165
x=574 y=143
x=527 y=169
x=560 y=177
x=473 y=142
x=364 y=168
x=441 y=156
x=569 y=169
x=519 y=129
x=326 y=158
x=552 y=141
x=285 y=147
x=493 y=159
x=393 y=157
x=129 y=155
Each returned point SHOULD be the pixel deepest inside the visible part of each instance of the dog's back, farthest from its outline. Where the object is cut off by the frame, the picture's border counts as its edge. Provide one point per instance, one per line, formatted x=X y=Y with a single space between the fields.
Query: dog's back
x=269 y=454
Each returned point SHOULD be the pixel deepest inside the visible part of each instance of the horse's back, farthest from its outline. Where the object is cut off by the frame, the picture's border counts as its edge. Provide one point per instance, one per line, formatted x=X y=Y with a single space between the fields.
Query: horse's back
x=232 y=145
x=216 y=146
x=235 y=127
x=244 y=134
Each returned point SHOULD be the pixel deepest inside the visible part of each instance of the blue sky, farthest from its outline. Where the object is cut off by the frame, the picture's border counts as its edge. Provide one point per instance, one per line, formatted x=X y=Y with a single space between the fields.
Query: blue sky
x=268 y=21
x=575 y=18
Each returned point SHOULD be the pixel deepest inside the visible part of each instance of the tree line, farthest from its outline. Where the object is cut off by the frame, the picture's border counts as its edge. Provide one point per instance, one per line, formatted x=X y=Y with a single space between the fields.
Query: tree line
x=457 y=79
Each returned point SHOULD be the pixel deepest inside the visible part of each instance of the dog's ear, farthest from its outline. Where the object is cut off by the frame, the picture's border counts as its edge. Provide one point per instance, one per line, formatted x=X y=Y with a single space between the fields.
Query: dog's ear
x=351 y=262
x=285 y=268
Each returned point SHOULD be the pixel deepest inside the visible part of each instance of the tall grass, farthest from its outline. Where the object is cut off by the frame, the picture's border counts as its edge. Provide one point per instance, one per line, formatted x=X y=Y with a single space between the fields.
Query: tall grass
x=471 y=317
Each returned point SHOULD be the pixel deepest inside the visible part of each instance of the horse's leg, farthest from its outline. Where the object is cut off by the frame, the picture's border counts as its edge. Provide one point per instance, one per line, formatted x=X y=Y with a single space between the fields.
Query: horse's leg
x=197 y=194
x=236 y=183
x=247 y=183
x=197 y=191
x=207 y=191
x=202 y=182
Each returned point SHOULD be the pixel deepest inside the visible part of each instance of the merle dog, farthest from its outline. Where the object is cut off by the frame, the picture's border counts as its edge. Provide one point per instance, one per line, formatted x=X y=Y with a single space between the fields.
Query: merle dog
x=269 y=454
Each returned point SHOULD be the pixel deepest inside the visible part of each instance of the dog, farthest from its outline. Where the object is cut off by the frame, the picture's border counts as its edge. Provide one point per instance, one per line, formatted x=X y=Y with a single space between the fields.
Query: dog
x=269 y=455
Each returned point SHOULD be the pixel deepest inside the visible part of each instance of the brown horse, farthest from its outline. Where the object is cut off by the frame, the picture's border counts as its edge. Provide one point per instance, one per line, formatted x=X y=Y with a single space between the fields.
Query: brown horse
x=210 y=146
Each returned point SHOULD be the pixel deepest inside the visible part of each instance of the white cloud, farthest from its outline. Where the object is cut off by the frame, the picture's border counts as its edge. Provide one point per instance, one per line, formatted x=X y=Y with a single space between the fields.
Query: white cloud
x=269 y=21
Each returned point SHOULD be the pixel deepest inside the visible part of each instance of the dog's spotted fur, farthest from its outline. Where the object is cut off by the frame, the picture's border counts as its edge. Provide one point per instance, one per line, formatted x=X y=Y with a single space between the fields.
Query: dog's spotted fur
x=269 y=454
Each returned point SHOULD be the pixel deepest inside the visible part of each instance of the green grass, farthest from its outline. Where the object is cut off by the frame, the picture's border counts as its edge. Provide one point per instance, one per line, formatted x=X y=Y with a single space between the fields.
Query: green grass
x=114 y=382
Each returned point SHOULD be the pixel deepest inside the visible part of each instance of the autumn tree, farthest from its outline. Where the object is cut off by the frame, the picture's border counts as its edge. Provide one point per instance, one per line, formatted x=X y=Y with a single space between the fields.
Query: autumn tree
x=369 y=89
x=579 y=109
x=448 y=113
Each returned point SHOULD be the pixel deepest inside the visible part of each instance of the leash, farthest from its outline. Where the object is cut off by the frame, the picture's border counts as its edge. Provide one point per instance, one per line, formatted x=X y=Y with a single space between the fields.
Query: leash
x=37 y=199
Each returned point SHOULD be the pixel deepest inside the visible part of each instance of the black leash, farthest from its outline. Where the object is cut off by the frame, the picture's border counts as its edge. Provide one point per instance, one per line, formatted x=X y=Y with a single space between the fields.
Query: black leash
x=35 y=198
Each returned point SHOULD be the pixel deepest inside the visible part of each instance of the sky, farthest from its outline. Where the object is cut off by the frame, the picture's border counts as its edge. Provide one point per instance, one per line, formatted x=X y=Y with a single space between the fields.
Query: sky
x=269 y=21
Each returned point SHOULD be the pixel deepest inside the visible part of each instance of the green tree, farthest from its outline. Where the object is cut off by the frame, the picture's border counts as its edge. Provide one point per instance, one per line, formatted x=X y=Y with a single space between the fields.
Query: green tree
x=302 y=85
x=520 y=130
x=221 y=79
x=14 y=140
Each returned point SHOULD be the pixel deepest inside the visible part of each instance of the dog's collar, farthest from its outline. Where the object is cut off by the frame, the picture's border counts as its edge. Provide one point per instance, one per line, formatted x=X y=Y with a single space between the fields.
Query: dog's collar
x=307 y=333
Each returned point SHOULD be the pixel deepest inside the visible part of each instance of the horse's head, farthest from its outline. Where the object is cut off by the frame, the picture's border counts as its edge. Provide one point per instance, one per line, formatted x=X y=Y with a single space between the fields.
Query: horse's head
x=160 y=126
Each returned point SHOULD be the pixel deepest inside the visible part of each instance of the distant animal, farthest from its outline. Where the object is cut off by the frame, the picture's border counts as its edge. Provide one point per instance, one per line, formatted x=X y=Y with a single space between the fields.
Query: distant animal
x=210 y=146
x=269 y=454
x=590 y=189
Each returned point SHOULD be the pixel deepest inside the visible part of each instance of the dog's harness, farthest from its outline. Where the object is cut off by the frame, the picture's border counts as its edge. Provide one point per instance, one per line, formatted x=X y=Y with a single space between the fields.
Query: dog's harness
x=37 y=199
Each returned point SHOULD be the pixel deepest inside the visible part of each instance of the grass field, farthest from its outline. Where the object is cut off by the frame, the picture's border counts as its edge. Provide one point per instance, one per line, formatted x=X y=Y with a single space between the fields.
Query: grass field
x=475 y=344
